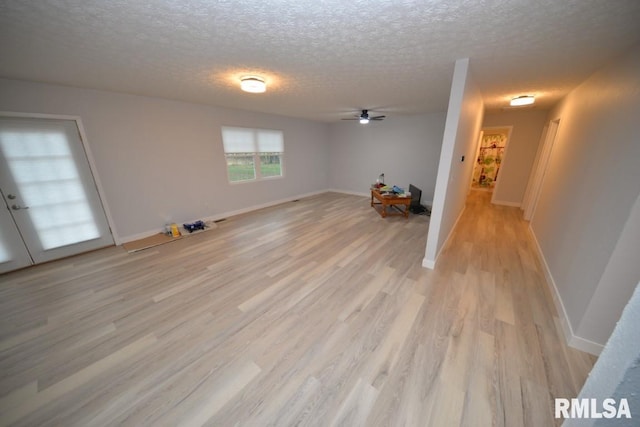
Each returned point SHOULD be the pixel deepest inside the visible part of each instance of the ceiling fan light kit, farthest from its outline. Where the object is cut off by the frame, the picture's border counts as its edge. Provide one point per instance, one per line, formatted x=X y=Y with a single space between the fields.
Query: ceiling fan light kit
x=253 y=84
x=521 y=100
x=364 y=117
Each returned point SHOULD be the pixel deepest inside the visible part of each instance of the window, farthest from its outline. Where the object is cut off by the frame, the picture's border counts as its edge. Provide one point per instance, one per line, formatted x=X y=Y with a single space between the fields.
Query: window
x=252 y=154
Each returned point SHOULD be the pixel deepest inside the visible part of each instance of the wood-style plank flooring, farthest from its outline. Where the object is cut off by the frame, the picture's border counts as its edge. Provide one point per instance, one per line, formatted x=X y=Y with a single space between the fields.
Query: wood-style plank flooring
x=311 y=313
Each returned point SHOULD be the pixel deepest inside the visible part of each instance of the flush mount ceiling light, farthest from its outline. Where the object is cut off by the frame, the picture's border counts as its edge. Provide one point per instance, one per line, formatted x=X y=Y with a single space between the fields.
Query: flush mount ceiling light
x=519 y=101
x=253 y=84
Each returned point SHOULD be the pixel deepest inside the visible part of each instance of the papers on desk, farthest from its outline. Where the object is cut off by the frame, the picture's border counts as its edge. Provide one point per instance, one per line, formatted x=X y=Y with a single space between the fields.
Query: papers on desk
x=391 y=191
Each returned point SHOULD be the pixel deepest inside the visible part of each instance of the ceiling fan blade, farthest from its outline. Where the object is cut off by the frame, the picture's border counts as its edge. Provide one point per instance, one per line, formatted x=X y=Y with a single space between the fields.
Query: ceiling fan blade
x=365 y=116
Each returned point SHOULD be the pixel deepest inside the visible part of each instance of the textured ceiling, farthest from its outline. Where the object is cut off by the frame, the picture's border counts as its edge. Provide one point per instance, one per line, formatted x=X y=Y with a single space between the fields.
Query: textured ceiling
x=322 y=59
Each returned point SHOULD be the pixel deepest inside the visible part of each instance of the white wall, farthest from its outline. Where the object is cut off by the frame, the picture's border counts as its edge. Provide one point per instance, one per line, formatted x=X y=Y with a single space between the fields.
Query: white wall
x=526 y=130
x=591 y=185
x=406 y=149
x=616 y=374
x=461 y=132
x=161 y=160
x=616 y=284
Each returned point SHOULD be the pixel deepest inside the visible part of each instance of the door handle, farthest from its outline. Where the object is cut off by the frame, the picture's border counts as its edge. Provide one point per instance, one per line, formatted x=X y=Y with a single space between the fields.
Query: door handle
x=11 y=196
x=18 y=207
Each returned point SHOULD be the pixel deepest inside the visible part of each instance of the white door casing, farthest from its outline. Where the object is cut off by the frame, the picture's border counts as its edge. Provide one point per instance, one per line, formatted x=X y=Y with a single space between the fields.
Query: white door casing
x=541 y=170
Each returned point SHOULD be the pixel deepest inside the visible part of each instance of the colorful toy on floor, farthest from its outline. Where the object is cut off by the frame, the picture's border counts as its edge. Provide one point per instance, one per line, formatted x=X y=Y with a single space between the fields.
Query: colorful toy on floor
x=198 y=225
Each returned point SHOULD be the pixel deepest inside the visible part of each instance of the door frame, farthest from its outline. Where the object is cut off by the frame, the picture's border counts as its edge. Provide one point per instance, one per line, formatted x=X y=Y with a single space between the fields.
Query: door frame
x=87 y=151
x=540 y=169
x=503 y=162
x=526 y=199
x=509 y=129
x=475 y=158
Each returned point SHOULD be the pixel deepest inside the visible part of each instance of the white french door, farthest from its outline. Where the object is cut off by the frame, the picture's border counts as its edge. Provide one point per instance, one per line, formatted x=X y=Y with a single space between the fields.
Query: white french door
x=51 y=207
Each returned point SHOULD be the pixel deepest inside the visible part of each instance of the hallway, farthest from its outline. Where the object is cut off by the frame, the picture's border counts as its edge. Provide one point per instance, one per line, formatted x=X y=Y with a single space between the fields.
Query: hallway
x=497 y=288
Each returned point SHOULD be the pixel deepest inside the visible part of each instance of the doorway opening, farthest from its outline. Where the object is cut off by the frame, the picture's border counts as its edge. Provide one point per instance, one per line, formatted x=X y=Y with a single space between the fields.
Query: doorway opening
x=489 y=158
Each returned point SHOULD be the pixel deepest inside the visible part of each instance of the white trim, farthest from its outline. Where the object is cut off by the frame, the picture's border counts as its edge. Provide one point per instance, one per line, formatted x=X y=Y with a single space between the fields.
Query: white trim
x=353 y=193
x=505 y=203
x=427 y=263
x=88 y=154
x=97 y=181
x=138 y=236
x=586 y=345
x=507 y=144
x=38 y=115
x=229 y=214
x=431 y=264
x=475 y=158
x=526 y=199
x=542 y=164
x=256 y=155
x=551 y=284
x=569 y=336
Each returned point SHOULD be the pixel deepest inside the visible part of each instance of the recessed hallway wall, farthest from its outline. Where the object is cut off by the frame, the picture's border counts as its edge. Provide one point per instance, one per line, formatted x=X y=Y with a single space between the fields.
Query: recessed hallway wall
x=526 y=130
x=588 y=196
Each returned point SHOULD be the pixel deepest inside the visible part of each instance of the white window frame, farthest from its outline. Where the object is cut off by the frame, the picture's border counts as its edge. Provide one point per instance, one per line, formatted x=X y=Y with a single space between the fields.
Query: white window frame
x=254 y=143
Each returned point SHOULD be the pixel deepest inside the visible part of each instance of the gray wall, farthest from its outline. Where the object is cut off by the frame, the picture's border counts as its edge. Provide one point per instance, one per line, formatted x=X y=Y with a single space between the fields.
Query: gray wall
x=405 y=149
x=589 y=190
x=161 y=160
x=526 y=131
x=462 y=128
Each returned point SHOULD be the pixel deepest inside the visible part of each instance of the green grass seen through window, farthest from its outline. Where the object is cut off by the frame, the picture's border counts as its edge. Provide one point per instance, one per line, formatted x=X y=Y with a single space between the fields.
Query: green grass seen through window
x=240 y=172
x=270 y=170
x=241 y=167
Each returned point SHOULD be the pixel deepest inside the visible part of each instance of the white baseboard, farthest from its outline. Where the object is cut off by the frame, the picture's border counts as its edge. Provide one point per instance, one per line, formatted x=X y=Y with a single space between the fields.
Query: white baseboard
x=137 y=236
x=586 y=345
x=505 y=203
x=263 y=205
x=569 y=336
x=353 y=193
x=427 y=263
x=431 y=263
x=219 y=216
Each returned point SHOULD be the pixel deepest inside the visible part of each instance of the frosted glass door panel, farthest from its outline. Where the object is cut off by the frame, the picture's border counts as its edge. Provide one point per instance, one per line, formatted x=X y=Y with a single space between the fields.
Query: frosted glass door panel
x=55 y=202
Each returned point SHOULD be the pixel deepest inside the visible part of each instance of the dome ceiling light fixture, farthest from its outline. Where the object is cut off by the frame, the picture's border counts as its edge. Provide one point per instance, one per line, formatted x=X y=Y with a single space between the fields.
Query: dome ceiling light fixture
x=253 y=84
x=521 y=100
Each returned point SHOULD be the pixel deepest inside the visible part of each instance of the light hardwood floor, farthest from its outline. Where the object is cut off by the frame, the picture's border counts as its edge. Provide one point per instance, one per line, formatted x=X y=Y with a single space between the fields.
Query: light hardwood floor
x=315 y=312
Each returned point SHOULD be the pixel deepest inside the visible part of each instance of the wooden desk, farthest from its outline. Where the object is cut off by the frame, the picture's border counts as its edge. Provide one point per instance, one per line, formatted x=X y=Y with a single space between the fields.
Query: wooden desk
x=389 y=200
